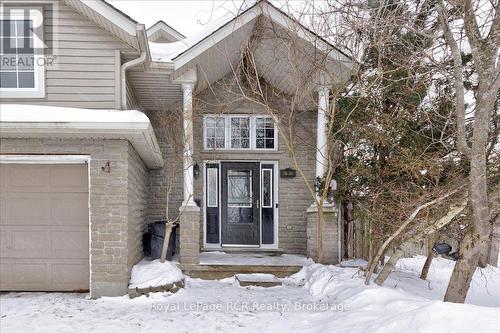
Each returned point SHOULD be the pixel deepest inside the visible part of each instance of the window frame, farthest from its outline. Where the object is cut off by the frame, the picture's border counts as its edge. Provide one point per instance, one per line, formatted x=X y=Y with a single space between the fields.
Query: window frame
x=271 y=190
x=227 y=132
x=216 y=175
x=38 y=91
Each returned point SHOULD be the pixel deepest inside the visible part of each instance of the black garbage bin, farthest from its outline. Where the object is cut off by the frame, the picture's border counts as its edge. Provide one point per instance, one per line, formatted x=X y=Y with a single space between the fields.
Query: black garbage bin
x=153 y=240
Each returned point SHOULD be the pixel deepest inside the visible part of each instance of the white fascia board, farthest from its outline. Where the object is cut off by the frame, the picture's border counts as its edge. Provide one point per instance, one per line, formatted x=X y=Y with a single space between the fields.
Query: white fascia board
x=160 y=25
x=286 y=22
x=139 y=134
x=112 y=15
x=216 y=37
x=276 y=16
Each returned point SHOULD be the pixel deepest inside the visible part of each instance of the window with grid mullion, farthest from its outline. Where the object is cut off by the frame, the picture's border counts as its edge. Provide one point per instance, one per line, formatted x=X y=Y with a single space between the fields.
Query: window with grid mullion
x=264 y=133
x=17 y=54
x=215 y=132
x=240 y=132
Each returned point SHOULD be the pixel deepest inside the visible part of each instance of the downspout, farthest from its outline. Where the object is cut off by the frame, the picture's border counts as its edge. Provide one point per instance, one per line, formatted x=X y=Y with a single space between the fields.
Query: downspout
x=143 y=46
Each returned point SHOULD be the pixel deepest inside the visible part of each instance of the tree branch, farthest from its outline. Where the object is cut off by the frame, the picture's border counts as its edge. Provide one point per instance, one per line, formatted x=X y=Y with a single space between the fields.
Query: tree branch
x=462 y=145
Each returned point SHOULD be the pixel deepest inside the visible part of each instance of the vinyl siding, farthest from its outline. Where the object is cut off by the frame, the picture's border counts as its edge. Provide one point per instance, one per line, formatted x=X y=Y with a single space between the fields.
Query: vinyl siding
x=85 y=67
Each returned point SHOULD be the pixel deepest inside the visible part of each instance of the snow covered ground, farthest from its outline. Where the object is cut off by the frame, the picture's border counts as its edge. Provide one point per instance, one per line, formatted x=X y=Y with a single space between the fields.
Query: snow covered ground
x=317 y=299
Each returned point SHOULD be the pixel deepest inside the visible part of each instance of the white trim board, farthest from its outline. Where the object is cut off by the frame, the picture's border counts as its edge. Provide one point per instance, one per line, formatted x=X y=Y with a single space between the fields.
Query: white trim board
x=44 y=159
x=274 y=14
x=113 y=15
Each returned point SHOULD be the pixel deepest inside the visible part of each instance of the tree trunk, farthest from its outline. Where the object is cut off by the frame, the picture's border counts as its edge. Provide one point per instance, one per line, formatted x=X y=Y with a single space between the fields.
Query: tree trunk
x=166 y=241
x=389 y=266
x=427 y=265
x=465 y=267
x=475 y=241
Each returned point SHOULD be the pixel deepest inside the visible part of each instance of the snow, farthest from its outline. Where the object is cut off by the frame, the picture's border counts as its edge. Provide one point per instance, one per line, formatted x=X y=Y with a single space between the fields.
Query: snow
x=317 y=299
x=354 y=263
x=257 y=277
x=222 y=258
x=147 y=273
x=50 y=114
x=165 y=52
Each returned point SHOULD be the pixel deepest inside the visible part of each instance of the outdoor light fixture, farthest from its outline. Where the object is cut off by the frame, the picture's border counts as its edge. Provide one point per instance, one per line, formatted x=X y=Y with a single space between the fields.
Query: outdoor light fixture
x=288 y=173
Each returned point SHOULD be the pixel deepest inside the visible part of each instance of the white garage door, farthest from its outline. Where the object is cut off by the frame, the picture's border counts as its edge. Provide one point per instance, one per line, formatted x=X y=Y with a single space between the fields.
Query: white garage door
x=44 y=227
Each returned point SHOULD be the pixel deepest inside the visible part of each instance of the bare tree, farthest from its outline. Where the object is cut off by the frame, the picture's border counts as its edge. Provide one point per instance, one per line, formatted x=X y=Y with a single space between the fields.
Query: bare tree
x=484 y=50
x=168 y=124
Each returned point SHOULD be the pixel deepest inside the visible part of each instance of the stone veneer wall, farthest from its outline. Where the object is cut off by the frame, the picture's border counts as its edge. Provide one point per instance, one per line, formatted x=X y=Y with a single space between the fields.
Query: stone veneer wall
x=137 y=206
x=294 y=197
x=113 y=247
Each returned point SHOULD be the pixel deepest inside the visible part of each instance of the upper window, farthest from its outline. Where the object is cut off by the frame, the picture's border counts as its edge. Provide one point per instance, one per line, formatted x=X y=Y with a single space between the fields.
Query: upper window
x=264 y=133
x=239 y=132
x=21 y=74
x=214 y=132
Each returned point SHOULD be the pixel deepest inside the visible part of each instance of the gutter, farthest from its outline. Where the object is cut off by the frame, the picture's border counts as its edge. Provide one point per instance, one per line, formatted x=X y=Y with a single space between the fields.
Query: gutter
x=144 y=48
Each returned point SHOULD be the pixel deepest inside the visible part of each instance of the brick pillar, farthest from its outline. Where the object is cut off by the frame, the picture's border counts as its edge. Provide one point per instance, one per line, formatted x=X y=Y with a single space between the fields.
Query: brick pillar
x=330 y=234
x=190 y=235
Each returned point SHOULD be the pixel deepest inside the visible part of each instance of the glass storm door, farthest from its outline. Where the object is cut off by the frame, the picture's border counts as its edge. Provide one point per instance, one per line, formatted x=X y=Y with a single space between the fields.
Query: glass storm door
x=240 y=210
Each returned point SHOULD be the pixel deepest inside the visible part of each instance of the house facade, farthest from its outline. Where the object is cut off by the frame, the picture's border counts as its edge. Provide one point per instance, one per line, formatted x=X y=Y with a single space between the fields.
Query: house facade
x=114 y=126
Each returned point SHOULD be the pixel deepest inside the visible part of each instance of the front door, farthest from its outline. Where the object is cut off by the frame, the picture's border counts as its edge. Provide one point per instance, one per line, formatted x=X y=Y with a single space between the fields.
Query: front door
x=240 y=210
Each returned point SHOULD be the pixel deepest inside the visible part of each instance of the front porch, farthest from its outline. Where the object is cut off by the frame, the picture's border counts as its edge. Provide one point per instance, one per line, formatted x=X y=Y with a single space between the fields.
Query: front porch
x=216 y=265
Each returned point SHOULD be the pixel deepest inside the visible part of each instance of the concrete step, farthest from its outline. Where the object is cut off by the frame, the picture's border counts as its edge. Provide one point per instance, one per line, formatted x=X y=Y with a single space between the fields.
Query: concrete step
x=258 y=280
x=215 y=272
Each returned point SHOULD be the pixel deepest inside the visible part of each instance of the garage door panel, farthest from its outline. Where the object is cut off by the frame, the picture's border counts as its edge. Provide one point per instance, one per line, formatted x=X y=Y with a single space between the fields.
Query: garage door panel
x=44 y=227
x=28 y=177
x=5 y=274
x=4 y=178
x=28 y=208
x=29 y=274
x=73 y=176
x=70 y=274
x=70 y=210
x=29 y=243
x=70 y=244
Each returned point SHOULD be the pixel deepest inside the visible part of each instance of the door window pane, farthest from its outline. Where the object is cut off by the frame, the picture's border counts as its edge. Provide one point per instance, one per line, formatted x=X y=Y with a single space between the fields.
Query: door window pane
x=264 y=135
x=212 y=187
x=240 y=132
x=239 y=188
x=267 y=188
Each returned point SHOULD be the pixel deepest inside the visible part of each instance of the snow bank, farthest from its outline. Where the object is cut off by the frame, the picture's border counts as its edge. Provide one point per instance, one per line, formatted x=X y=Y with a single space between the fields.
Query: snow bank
x=405 y=303
x=154 y=274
